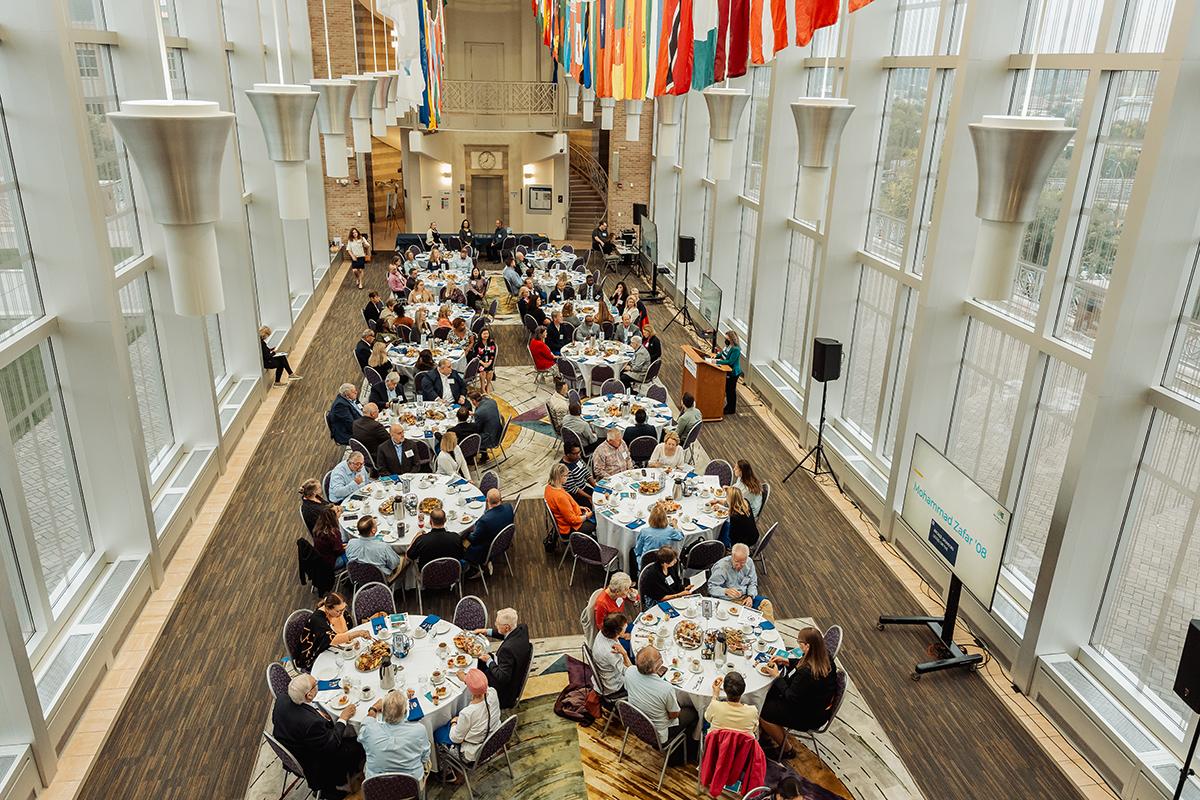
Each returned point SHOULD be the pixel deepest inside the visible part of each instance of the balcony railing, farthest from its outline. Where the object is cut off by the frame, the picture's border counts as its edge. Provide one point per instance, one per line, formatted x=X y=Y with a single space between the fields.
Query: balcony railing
x=499 y=97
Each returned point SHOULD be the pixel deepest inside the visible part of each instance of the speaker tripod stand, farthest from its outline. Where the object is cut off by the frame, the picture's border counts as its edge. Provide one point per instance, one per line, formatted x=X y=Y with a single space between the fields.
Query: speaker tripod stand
x=817 y=453
x=1187 y=770
x=683 y=306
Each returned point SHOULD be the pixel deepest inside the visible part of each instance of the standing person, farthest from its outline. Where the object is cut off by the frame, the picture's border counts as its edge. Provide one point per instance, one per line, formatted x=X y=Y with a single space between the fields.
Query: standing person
x=466 y=237
x=273 y=359
x=730 y=357
x=497 y=240
x=359 y=249
x=485 y=351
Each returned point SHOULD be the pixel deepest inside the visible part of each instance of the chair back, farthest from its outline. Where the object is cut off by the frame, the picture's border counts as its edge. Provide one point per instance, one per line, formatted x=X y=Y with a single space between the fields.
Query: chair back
x=509 y=242
x=526 y=240
x=472 y=371
x=610 y=386
x=839 y=694
x=568 y=331
x=530 y=324
x=391 y=786
x=566 y=368
x=494 y=744
x=470 y=447
x=566 y=248
x=693 y=435
x=290 y=762
x=641 y=448
x=415 y=249
x=504 y=430
x=570 y=439
x=602 y=373
x=359 y=447
x=403 y=333
x=638 y=724
x=721 y=469
x=758 y=793
x=645 y=573
x=478 y=324
x=370 y=599
x=523 y=249
x=422 y=451
x=587 y=617
x=362 y=573
x=573 y=396
x=493 y=307
x=372 y=375
x=585 y=548
x=607 y=328
x=760 y=546
x=373 y=324
x=441 y=573
x=500 y=545
x=488 y=482
x=833 y=640
x=277 y=680
x=325 y=483
x=441 y=334
x=470 y=613
x=653 y=370
x=703 y=555
x=766 y=495
x=657 y=392
x=544 y=246
x=293 y=629
x=708 y=760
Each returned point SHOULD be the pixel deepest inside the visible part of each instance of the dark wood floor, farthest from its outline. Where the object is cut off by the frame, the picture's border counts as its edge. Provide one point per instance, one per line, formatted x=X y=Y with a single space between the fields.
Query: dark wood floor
x=194 y=722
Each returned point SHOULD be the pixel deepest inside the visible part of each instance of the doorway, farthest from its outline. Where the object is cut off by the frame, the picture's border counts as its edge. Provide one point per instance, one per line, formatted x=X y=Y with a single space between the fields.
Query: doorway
x=484 y=61
x=487 y=202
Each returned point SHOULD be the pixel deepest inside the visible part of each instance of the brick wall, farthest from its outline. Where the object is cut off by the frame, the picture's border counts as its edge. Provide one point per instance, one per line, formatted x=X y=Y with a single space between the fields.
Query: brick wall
x=634 y=168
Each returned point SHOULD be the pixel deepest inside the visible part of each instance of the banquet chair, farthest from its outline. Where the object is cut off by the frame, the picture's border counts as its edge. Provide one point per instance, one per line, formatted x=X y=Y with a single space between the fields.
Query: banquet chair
x=499 y=547
x=610 y=386
x=372 y=375
x=441 y=573
x=543 y=247
x=586 y=549
x=839 y=695
x=471 y=372
x=568 y=331
x=570 y=439
x=423 y=452
x=521 y=248
x=471 y=613
x=478 y=324
x=492 y=746
x=570 y=372
x=470 y=447
x=690 y=443
x=415 y=249
x=833 y=640
x=530 y=326
x=766 y=494
x=739 y=775
x=758 y=552
x=651 y=376
x=291 y=766
x=573 y=396
x=488 y=482
x=509 y=242
x=392 y=786
x=493 y=307
x=657 y=392
x=720 y=468
x=649 y=562
x=606 y=329
x=362 y=573
x=521 y=689
x=370 y=599
x=600 y=374
x=526 y=240
x=293 y=629
x=441 y=334
x=403 y=333
x=569 y=293
x=359 y=447
x=325 y=483
x=277 y=680
x=587 y=619
x=702 y=555
x=640 y=726
x=608 y=700
x=500 y=445
x=758 y=793
x=566 y=248
x=641 y=448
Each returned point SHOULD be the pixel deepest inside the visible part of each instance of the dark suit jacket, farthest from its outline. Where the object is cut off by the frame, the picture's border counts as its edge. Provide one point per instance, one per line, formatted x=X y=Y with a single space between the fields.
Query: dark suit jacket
x=378 y=394
x=327 y=750
x=362 y=352
x=489 y=525
x=342 y=414
x=370 y=432
x=491 y=426
x=506 y=670
x=432 y=390
x=556 y=337
x=388 y=463
x=464 y=429
x=373 y=311
x=634 y=431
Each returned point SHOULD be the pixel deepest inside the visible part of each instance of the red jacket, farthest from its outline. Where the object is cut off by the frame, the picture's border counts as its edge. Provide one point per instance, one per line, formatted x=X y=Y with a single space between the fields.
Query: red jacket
x=543 y=359
x=728 y=756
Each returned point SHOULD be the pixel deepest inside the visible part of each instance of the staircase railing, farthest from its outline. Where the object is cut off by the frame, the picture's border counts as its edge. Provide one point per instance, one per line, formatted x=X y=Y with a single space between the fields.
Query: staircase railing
x=583 y=162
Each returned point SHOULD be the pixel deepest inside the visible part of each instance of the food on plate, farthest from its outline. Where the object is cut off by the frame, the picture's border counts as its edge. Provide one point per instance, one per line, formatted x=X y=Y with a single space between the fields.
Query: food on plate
x=765 y=669
x=342 y=701
x=429 y=504
x=373 y=657
x=688 y=634
x=719 y=491
x=735 y=610
x=408 y=419
x=721 y=512
x=412 y=693
x=461 y=660
x=434 y=413
x=613 y=411
x=385 y=507
x=650 y=487
x=670 y=506
x=353 y=505
x=469 y=645
x=676 y=678
x=734 y=641
x=589 y=351
x=441 y=691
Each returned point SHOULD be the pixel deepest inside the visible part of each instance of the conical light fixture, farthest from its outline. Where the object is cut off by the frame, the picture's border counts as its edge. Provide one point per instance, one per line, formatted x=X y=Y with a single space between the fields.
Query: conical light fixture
x=177 y=146
x=572 y=96
x=360 y=110
x=384 y=83
x=393 y=109
x=285 y=112
x=1013 y=156
x=670 y=106
x=589 y=104
x=725 y=107
x=333 y=107
x=607 y=104
x=633 y=119
x=819 y=125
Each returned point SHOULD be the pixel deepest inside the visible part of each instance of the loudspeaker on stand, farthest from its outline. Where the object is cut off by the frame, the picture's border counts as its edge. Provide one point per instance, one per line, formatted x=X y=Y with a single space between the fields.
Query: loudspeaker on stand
x=827 y=359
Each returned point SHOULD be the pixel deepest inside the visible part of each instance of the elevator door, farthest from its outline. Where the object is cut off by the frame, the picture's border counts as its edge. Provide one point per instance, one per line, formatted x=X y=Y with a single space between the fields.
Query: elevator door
x=487 y=198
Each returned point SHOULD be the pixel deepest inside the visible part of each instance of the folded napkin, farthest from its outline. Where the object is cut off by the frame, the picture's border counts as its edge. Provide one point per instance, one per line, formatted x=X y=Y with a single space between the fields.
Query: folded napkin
x=430 y=621
x=603 y=489
x=668 y=609
x=767 y=625
x=428 y=434
x=332 y=683
x=414 y=710
x=480 y=498
x=637 y=523
x=611 y=425
x=378 y=624
x=609 y=396
x=457 y=482
x=590 y=416
x=690 y=475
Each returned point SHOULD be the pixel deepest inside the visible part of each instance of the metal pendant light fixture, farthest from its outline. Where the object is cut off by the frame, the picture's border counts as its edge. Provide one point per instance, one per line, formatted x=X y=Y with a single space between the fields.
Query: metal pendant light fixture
x=285 y=112
x=572 y=97
x=607 y=105
x=360 y=110
x=589 y=104
x=725 y=107
x=177 y=146
x=333 y=106
x=819 y=125
x=670 y=108
x=384 y=86
x=1013 y=156
x=633 y=120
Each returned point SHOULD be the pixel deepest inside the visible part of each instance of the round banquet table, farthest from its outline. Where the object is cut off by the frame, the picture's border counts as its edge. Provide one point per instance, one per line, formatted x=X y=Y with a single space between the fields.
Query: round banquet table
x=404 y=356
x=461 y=500
x=435 y=279
x=582 y=307
x=621 y=508
x=598 y=411
x=546 y=280
x=429 y=420
x=696 y=687
x=541 y=258
x=431 y=313
x=614 y=354
x=418 y=667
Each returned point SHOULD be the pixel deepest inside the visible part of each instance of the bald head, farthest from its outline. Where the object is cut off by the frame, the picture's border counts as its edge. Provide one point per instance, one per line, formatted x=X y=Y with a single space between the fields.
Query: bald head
x=648 y=660
x=493 y=498
x=371 y=410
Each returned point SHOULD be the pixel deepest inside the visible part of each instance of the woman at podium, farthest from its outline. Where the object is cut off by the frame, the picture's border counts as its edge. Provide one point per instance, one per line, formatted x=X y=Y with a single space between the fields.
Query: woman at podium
x=731 y=357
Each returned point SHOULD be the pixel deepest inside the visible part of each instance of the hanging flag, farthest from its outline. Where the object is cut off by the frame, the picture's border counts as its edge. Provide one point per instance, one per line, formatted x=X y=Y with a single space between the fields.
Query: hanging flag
x=604 y=53
x=654 y=12
x=768 y=29
x=737 y=39
x=722 y=40
x=635 y=49
x=587 y=72
x=617 y=76
x=812 y=15
x=674 y=49
x=704 y=42
x=855 y=5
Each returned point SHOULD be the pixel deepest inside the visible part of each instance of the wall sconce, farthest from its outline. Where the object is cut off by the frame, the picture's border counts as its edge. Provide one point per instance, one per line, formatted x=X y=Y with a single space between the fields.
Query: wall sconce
x=446 y=174
x=529 y=173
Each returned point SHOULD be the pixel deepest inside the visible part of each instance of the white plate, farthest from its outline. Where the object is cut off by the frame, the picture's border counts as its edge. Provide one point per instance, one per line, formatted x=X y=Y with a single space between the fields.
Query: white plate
x=625 y=518
x=689 y=526
x=353 y=505
x=418 y=632
x=336 y=706
x=441 y=628
x=391 y=538
x=770 y=636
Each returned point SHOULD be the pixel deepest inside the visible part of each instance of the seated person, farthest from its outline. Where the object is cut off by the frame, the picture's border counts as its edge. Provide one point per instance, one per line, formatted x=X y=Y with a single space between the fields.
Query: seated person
x=668 y=453
x=348 y=477
x=611 y=457
x=734 y=578
x=731 y=713
x=740 y=528
x=506 y=669
x=325 y=628
x=588 y=329
x=579 y=478
x=636 y=370
x=373 y=310
x=619 y=596
x=569 y=316
x=391 y=457
x=558 y=405
x=388 y=392
x=665 y=583
x=326 y=749
x=655 y=533
x=688 y=417
x=366 y=548
x=368 y=430
x=391 y=742
x=802 y=697
x=487 y=414
x=568 y=516
x=464 y=426
x=450 y=460
x=556 y=333
x=646 y=691
x=497 y=517
x=465 y=733
x=640 y=427
x=749 y=485
x=609 y=657
x=437 y=542
x=576 y=424
x=625 y=330
x=543 y=358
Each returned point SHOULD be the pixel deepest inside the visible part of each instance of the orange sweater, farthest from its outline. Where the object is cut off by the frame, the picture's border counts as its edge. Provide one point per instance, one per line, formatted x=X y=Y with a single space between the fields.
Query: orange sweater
x=566 y=511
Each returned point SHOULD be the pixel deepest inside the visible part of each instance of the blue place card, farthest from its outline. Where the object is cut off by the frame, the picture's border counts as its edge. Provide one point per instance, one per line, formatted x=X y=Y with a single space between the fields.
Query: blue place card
x=378 y=624
x=332 y=683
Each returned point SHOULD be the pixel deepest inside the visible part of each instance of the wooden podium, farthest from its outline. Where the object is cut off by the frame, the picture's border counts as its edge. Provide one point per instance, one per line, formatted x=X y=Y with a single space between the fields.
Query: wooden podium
x=706 y=382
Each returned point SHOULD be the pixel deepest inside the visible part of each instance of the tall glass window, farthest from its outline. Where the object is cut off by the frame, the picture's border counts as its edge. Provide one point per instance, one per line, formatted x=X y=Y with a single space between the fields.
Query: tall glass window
x=216 y=349
x=86 y=14
x=148 y=380
x=1062 y=26
x=37 y=428
x=760 y=88
x=16 y=579
x=867 y=358
x=793 y=341
x=744 y=283
x=19 y=297
x=1144 y=29
x=899 y=160
x=1183 y=369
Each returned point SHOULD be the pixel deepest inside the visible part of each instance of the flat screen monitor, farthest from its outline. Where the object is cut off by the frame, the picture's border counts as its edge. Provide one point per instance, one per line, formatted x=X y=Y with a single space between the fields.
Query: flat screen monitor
x=649 y=249
x=960 y=523
x=710 y=301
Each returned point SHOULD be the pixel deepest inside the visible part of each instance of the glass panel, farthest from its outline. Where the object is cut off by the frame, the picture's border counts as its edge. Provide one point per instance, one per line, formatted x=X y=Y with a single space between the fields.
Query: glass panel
x=916 y=28
x=743 y=285
x=175 y=70
x=1055 y=93
x=1183 y=370
x=1062 y=26
x=897 y=384
x=48 y=473
x=899 y=159
x=945 y=89
x=1044 y=463
x=169 y=23
x=1154 y=588
x=1146 y=24
x=20 y=300
x=760 y=87
x=1110 y=182
x=216 y=349
x=16 y=580
x=821 y=82
x=86 y=13
x=826 y=42
x=703 y=240
x=112 y=167
x=793 y=341
x=144 y=359
x=868 y=354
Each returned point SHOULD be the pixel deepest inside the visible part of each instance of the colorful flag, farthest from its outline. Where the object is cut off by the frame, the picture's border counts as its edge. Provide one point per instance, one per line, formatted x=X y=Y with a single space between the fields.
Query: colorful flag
x=768 y=29
x=674 y=75
x=704 y=43
x=737 y=38
x=635 y=49
x=617 y=77
x=812 y=15
x=855 y=5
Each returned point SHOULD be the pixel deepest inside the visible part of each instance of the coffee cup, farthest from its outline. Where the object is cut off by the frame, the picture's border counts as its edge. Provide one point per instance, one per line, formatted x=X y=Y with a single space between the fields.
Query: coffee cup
x=721 y=612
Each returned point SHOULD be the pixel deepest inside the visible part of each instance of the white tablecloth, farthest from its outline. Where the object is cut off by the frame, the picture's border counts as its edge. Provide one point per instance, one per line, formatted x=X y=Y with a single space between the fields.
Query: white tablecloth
x=436 y=279
x=418 y=666
x=695 y=688
x=431 y=313
x=424 y=422
x=596 y=412
x=462 y=502
x=622 y=354
x=404 y=356
x=625 y=505
x=541 y=258
x=546 y=280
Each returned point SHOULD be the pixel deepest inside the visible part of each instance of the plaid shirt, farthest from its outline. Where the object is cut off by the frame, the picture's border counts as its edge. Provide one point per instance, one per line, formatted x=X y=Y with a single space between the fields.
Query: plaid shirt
x=609 y=460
